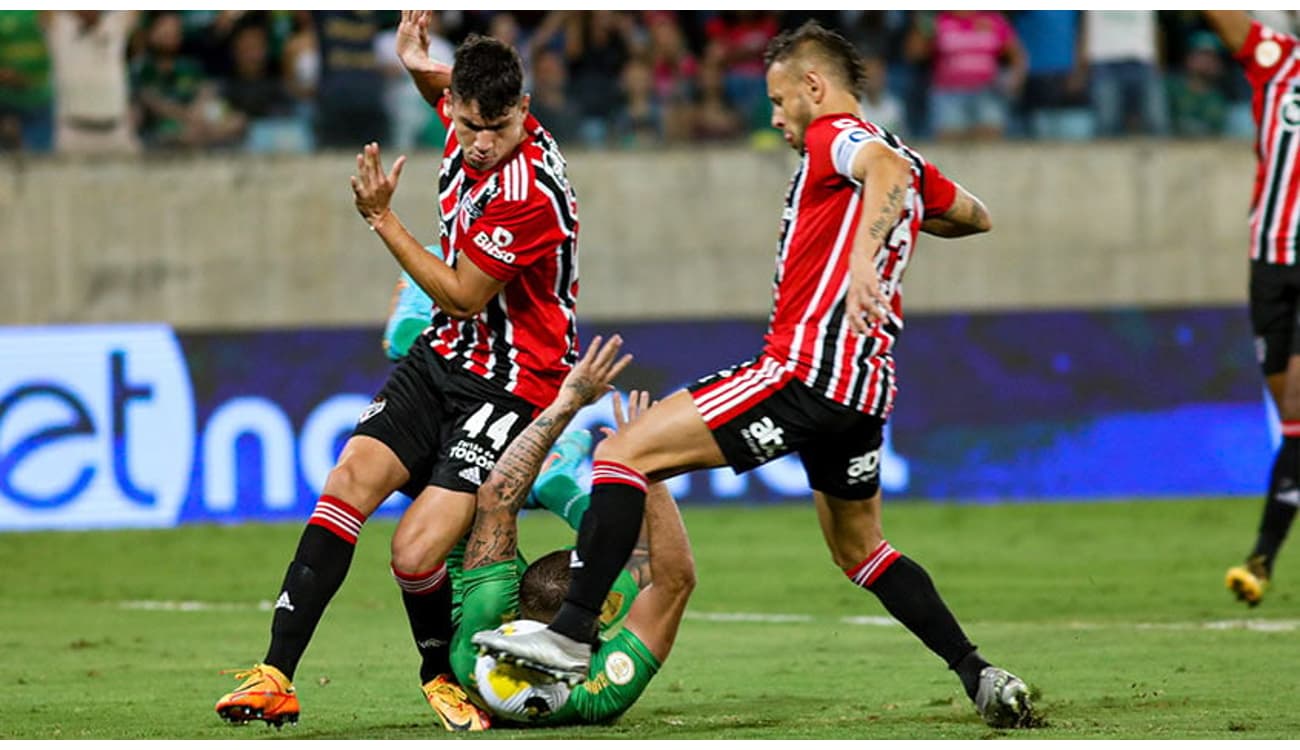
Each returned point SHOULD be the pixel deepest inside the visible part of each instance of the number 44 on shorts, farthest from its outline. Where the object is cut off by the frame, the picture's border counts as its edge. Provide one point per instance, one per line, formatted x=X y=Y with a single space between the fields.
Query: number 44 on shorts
x=498 y=433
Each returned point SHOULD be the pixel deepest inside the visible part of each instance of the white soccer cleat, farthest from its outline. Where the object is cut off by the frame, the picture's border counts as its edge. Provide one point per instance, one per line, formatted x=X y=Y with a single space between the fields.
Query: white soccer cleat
x=1003 y=700
x=538 y=648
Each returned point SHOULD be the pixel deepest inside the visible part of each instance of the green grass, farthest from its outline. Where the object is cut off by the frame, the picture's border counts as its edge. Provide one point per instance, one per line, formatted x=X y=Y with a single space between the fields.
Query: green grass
x=1098 y=606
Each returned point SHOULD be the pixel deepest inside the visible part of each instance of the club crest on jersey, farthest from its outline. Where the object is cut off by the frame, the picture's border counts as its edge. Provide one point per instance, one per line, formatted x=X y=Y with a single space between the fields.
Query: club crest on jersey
x=1289 y=111
x=374 y=408
x=473 y=203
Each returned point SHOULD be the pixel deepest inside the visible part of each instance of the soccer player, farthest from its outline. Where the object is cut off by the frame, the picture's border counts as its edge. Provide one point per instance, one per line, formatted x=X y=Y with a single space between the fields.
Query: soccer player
x=822 y=386
x=501 y=340
x=1272 y=65
x=661 y=567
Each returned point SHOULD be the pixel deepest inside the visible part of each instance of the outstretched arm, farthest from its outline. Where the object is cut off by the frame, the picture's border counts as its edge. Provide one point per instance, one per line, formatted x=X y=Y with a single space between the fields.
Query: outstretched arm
x=966 y=216
x=494 y=535
x=658 y=609
x=431 y=77
x=1232 y=26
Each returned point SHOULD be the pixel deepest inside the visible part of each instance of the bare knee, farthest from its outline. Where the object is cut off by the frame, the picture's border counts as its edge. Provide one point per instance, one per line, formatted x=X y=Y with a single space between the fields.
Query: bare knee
x=348 y=481
x=408 y=554
x=616 y=448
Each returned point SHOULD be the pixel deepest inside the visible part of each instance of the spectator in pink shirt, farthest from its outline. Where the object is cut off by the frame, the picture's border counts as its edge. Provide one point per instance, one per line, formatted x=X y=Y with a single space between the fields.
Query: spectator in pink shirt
x=968 y=90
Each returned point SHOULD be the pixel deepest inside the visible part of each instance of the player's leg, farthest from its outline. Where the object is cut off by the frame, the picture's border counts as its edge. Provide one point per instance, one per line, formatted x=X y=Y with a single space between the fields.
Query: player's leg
x=1273 y=309
x=844 y=472
x=388 y=447
x=366 y=473
x=669 y=439
x=853 y=534
x=469 y=446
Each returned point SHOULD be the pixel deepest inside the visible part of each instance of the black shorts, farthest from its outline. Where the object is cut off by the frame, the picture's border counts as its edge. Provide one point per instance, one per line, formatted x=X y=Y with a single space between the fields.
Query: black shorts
x=446 y=425
x=1274 y=311
x=759 y=412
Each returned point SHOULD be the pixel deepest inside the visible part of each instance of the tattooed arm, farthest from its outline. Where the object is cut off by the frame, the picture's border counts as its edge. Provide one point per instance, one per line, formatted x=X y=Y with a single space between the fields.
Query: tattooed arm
x=885 y=176
x=494 y=535
x=967 y=216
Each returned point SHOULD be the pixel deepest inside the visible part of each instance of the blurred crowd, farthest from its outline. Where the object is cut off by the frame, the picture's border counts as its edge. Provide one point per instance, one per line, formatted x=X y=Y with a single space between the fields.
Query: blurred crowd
x=295 y=81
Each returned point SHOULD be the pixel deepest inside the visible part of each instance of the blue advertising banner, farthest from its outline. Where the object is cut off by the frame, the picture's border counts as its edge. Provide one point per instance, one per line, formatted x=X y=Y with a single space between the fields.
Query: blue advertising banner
x=136 y=425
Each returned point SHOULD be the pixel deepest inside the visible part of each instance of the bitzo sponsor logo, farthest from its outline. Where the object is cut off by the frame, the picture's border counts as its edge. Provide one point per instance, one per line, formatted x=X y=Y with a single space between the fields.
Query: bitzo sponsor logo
x=487 y=245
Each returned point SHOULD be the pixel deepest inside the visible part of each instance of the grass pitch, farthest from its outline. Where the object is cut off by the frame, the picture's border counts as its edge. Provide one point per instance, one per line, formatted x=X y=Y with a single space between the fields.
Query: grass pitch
x=1115 y=613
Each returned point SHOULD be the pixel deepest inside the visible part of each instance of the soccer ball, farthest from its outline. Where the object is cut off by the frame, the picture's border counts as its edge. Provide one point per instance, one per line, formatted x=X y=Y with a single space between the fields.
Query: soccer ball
x=515 y=692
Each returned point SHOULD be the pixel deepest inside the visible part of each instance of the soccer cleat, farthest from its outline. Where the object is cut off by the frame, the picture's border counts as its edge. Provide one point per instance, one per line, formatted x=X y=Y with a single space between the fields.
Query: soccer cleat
x=265 y=694
x=1003 y=700
x=449 y=701
x=543 y=650
x=555 y=485
x=1248 y=581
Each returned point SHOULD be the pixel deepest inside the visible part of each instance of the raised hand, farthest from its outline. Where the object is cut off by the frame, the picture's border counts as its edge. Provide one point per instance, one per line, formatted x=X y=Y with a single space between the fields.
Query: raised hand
x=372 y=189
x=413 y=37
x=591 y=377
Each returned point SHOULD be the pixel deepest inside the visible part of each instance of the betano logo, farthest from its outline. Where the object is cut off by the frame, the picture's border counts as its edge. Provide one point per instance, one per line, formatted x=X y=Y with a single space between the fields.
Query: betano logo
x=97 y=429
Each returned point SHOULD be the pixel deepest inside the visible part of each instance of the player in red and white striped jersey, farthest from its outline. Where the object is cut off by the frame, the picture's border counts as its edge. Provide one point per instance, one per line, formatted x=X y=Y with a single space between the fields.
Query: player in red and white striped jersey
x=1272 y=64
x=822 y=385
x=502 y=338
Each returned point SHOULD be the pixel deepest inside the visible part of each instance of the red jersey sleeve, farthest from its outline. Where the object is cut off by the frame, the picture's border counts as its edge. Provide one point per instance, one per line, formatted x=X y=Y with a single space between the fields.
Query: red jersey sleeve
x=1264 y=52
x=832 y=145
x=511 y=235
x=938 y=192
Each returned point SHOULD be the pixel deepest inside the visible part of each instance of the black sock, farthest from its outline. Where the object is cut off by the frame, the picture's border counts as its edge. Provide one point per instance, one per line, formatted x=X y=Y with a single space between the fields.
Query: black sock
x=315 y=575
x=1280 y=508
x=910 y=596
x=427 y=598
x=608 y=533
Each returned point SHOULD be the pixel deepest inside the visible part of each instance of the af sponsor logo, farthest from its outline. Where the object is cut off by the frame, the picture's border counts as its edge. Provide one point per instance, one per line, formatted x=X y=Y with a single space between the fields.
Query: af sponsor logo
x=765 y=439
x=96 y=427
x=864 y=468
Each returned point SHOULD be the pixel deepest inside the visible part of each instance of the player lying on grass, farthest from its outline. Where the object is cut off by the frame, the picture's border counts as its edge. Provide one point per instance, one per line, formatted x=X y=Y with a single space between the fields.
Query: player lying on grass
x=266 y=695
x=494 y=591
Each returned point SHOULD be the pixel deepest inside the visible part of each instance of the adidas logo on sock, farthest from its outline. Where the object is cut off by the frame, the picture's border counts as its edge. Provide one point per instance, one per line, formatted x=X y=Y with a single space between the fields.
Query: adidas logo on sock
x=283 y=602
x=472 y=475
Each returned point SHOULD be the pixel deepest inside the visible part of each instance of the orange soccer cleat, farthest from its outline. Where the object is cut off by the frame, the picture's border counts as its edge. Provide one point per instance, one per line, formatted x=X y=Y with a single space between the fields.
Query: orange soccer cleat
x=449 y=701
x=265 y=694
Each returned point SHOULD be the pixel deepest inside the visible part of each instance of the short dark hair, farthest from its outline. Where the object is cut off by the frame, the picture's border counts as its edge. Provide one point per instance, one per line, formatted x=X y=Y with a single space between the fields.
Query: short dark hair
x=489 y=72
x=544 y=585
x=818 y=39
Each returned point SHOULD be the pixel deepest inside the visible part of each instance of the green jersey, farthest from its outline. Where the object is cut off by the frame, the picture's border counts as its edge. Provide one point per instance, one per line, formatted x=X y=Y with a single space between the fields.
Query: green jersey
x=620 y=669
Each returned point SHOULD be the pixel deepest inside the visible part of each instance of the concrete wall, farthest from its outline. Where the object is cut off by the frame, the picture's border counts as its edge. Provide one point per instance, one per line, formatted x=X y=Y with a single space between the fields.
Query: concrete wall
x=242 y=241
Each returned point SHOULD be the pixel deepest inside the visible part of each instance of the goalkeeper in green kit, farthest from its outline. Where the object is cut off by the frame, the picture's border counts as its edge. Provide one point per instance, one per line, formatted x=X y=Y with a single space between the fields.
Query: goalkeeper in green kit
x=492 y=586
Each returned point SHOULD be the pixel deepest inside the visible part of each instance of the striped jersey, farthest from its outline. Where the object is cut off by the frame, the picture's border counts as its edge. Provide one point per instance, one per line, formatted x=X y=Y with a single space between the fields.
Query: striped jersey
x=1272 y=65
x=518 y=222
x=807 y=331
